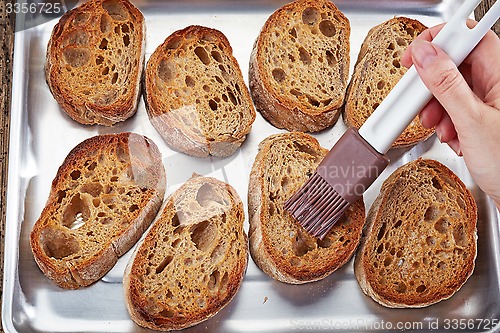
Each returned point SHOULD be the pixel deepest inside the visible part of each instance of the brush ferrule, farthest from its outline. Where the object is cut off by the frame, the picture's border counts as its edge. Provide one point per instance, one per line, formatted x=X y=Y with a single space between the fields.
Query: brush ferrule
x=351 y=166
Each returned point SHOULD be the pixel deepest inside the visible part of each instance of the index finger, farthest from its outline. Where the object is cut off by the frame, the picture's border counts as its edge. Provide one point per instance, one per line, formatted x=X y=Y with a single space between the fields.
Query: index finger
x=427 y=35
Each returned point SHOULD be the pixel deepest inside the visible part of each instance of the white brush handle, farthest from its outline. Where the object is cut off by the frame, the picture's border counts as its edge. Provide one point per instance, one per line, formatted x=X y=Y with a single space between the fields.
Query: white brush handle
x=410 y=94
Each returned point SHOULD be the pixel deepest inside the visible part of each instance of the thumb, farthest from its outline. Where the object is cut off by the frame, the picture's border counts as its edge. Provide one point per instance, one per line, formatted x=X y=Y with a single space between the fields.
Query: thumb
x=441 y=76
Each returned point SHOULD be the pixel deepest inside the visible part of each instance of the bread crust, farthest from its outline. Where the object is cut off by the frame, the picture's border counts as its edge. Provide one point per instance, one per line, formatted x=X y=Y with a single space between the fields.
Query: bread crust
x=95 y=59
x=203 y=270
x=195 y=94
x=314 y=103
x=377 y=71
x=278 y=244
x=87 y=223
x=437 y=226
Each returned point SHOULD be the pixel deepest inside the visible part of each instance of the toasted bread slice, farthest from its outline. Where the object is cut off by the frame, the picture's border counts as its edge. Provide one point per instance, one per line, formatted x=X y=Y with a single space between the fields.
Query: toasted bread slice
x=105 y=195
x=195 y=94
x=419 y=245
x=95 y=59
x=299 y=66
x=278 y=244
x=192 y=261
x=377 y=71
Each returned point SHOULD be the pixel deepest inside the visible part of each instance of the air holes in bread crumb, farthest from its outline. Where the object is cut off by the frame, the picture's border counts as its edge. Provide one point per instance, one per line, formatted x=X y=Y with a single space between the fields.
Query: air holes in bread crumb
x=203 y=235
x=161 y=267
x=115 y=9
x=190 y=81
x=99 y=60
x=432 y=213
x=325 y=243
x=75 y=174
x=167 y=313
x=279 y=75
x=420 y=289
x=442 y=225
x=106 y=24
x=206 y=196
x=57 y=243
x=76 y=57
x=430 y=241
x=387 y=261
x=60 y=196
x=216 y=56
x=460 y=236
x=401 y=287
x=81 y=18
x=94 y=189
x=76 y=213
x=302 y=244
x=401 y=41
x=310 y=16
x=214 y=280
x=166 y=70
x=217 y=254
x=202 y=54
x=212 y=104
x=436 y=183
x=304 y=56
x=327 y=28
x=104 y=44
x=78 y=37
x=331 y=59
x=381 y=232
x=380 y=85
x=126 y=40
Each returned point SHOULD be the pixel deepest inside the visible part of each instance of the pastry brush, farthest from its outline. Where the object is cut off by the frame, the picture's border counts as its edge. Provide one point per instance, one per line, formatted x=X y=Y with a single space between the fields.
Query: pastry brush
x=358 y=157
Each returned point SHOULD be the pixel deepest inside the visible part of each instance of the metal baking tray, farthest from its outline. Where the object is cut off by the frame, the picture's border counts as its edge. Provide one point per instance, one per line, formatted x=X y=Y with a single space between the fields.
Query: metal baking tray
x=41 y=137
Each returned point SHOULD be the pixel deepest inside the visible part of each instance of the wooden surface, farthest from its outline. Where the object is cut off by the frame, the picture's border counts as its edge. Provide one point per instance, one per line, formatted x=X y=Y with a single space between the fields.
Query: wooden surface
x=6 y=49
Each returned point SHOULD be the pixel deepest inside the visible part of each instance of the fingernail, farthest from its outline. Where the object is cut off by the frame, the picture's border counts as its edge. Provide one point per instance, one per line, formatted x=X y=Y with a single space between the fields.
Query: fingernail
x=423 y=53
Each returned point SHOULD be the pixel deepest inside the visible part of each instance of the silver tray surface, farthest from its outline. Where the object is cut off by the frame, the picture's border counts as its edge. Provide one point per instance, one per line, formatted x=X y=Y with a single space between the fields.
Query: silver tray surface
x=41 y=137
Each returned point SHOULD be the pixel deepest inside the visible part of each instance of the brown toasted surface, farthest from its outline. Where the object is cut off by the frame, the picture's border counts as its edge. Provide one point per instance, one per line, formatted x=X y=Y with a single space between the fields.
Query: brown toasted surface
x=377 y=71
x=95 y=59
x=299 y=66
x=419 y=245
x=104 y=196
x=192 y=260
x=195 y=94
x=278 y=244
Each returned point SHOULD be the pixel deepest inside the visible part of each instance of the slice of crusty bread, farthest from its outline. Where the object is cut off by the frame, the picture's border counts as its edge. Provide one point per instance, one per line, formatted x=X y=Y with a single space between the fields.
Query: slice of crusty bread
x=377 y=71
x=195 y=93
x=419 y=245
x=299 y=66
x=278 y=244
x=105 y=195
x=192 y=261
x=95 y=58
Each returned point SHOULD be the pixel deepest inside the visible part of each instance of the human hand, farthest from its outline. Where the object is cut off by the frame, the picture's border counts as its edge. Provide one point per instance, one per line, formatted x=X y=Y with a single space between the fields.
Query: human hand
x=466 y=109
